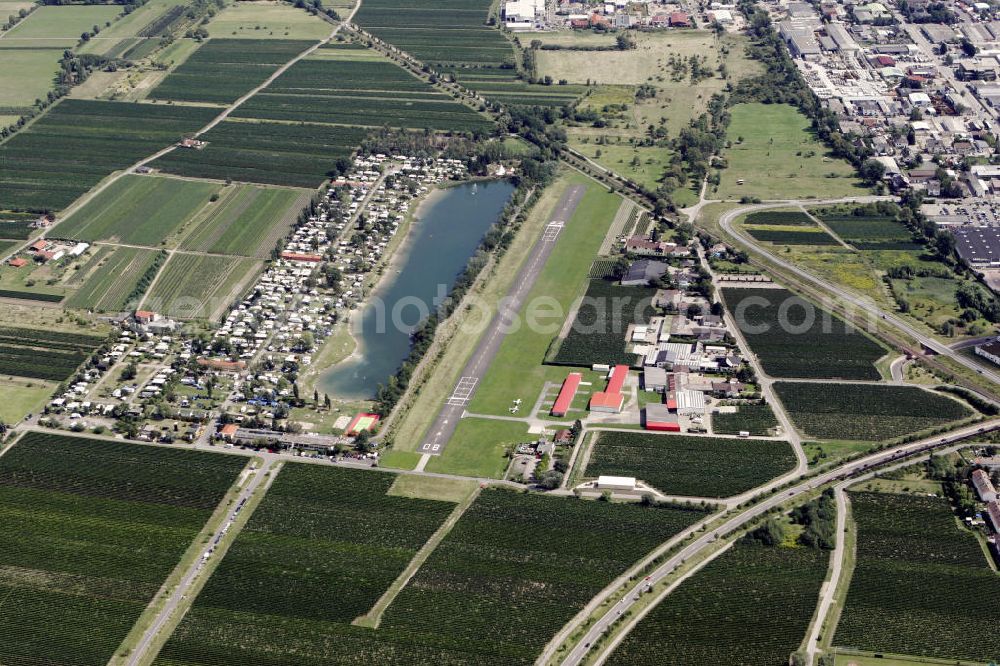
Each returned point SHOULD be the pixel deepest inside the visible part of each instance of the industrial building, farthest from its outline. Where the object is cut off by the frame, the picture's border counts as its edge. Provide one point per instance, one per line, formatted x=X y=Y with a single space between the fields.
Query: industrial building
x=566 y=394
x=611 y=399
x=978 y=246
x=659 y=418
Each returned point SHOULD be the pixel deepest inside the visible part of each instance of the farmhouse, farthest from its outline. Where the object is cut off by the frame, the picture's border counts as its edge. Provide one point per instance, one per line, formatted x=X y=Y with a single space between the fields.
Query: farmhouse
x=993 y=511
x=645 y=245
x=18 y=262
x=680 y=20
x=730 y=389
x=984 y=487
x=566 y=394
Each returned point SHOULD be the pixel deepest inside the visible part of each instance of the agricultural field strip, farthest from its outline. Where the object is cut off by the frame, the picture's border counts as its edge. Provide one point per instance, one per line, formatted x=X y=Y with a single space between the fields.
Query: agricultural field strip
x=752 y=601
x=789 y=227
x=77 y=143
x=917 y=568
x=477 y=55
x=22 y=352
x=205 y=128
x=138 y=210
x=365 y=91
x=94 y=529
x=822 y=347
x=679 y=465
x=222 y=70
x=598 y=335
x=341 y=541
x=224 y=616
x=109 y=287
x=866 y=412
x=198 y=285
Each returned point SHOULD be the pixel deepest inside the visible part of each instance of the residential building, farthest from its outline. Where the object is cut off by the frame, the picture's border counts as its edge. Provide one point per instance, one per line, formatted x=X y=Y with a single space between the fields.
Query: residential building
x=984 y=487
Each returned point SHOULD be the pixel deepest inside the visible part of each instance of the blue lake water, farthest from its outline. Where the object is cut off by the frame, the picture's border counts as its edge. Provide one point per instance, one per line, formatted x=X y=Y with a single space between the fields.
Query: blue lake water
x=443 y=236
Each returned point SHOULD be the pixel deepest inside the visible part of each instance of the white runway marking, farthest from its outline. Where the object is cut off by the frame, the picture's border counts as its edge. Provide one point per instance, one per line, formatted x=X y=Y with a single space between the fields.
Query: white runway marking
x=551 y=232
x=463 y=391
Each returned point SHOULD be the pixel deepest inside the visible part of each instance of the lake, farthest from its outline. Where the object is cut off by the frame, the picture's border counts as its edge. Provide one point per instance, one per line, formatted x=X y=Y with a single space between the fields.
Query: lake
x=444 y=234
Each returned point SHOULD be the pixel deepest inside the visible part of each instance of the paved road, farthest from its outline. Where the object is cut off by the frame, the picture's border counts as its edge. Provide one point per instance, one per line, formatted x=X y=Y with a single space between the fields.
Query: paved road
x=850 y=469
x=183 y=588
x=896 y=369
x=864 y=304
x=764 y=380
x=972 y=342
x=447 y=419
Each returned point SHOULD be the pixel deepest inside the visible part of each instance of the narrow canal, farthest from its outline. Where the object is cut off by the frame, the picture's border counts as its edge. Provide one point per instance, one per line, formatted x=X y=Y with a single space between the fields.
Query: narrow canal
x=443 y=236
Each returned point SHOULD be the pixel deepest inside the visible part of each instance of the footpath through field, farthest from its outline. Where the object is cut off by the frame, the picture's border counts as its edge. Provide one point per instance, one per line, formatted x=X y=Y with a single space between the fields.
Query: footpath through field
x=447 y=419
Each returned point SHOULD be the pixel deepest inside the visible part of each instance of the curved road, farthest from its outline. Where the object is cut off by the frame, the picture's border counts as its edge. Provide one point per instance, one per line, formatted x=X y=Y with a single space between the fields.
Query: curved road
x=582 y=648
x=863 y=304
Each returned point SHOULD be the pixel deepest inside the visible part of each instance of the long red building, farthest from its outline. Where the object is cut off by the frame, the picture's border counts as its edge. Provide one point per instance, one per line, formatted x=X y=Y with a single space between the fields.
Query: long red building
x=566 y=394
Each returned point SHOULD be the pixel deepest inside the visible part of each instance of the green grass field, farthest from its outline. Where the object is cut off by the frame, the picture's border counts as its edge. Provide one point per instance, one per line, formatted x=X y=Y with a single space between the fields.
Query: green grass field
x=620 y=156
x=677 y=100
x=477 y=448
x=399 y=459
x=21 y=397
x=59 y=26
x=246 y=220
x=432 y=488
x=656 y=62
x=267 y=20
x=29 y=74
x=194 y=286
x=138 y=210
x=517 y=370
x=775 y=155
